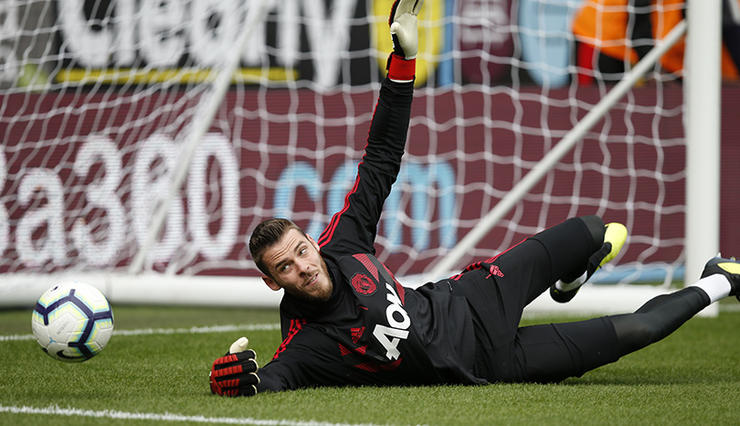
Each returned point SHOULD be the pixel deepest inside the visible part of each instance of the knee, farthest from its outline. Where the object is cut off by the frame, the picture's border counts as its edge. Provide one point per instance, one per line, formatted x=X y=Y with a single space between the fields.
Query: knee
x=595 y=226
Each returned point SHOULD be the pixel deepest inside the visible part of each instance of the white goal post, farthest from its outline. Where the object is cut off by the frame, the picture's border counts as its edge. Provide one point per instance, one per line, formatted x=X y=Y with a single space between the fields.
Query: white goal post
x=702 y=91
x=143 y=140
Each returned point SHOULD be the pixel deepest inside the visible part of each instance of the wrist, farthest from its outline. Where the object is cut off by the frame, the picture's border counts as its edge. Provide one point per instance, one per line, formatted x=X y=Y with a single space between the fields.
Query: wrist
x=401 y=70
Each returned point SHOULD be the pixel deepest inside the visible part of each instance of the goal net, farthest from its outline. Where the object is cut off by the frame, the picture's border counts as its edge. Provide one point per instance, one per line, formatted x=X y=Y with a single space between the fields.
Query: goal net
x=111 y=113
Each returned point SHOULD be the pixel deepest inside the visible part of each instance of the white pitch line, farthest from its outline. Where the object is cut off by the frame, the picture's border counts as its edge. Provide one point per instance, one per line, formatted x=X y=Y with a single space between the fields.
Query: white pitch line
x=198 y=330
x=165 y=417
x=730 y=307
x=151 y=331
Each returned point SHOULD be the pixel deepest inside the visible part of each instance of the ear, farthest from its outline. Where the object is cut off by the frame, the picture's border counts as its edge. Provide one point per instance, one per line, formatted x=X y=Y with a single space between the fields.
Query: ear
x=313 y=242
x=270 y=283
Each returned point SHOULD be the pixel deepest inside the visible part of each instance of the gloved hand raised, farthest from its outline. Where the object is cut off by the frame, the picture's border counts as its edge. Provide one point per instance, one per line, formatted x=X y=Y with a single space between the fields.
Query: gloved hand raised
x=235 y=374
x=403 y=25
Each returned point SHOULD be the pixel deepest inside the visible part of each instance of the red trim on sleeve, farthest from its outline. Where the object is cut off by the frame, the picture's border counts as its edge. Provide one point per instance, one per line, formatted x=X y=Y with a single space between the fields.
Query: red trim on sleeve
x=296 y=325
x=328 y=233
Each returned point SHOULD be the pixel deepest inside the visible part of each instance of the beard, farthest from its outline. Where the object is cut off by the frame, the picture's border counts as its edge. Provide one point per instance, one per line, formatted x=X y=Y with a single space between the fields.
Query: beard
x=320 y=291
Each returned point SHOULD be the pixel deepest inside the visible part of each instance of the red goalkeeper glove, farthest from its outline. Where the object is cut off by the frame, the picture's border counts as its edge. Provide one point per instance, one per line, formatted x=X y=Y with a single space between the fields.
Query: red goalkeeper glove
x=235 y=374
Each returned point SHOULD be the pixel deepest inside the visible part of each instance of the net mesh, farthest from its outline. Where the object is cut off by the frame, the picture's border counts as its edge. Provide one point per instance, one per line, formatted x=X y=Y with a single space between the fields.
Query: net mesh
x=99 y=96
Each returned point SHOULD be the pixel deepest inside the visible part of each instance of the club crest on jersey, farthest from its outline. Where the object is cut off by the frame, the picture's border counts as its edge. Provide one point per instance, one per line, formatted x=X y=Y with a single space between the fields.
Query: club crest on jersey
x=363 y=284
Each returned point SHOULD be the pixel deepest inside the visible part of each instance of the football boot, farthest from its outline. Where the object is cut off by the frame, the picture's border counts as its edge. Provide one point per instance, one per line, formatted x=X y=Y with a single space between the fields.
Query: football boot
x=729 y=267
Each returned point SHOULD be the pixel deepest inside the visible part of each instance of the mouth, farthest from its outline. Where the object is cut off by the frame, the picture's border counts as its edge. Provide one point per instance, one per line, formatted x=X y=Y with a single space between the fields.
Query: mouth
x=311 y=281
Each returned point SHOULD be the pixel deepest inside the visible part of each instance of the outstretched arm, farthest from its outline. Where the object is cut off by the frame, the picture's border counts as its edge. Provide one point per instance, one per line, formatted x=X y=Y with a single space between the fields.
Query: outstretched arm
x=312 y=359
x=353 y=228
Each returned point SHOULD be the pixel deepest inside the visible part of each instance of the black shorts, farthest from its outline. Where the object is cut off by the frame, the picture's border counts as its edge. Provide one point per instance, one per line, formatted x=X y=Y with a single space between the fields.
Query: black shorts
x=499 y=288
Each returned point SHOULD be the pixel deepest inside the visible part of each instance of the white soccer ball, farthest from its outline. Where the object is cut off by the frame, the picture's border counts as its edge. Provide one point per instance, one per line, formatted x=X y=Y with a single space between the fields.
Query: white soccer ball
x=72 y=321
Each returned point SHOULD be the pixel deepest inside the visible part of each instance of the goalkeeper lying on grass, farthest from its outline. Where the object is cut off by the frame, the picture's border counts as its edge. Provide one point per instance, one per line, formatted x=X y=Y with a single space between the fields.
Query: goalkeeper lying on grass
x=347 y=321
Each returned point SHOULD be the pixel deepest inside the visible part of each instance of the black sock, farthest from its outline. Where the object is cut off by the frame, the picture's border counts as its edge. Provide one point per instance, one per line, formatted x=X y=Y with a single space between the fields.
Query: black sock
x=657 y=318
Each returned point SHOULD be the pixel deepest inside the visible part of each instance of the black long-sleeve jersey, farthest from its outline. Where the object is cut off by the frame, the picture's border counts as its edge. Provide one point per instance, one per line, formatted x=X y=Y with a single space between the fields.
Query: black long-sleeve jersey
x=372 y=330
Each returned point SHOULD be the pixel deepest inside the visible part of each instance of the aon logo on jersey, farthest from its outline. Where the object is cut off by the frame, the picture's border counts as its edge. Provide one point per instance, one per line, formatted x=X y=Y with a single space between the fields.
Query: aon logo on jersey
x=398 y=323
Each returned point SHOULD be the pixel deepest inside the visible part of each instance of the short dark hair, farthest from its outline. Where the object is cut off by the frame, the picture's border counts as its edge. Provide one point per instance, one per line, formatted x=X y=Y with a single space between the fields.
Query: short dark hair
x=267 y=233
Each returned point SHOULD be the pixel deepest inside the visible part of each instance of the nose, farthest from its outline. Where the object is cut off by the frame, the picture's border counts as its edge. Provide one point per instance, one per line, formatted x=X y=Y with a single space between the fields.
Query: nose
x=303 y=266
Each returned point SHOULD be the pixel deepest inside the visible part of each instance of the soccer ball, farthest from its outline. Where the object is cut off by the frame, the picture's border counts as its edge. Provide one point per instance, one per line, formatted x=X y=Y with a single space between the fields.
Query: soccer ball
x=72 y=321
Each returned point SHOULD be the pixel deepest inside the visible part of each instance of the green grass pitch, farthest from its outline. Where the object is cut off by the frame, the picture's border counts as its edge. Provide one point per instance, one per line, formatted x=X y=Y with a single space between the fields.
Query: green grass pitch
x=159 y=375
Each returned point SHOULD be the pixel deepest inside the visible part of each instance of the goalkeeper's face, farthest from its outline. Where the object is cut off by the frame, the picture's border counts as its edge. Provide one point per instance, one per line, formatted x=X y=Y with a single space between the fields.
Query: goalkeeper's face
x=295 y=265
